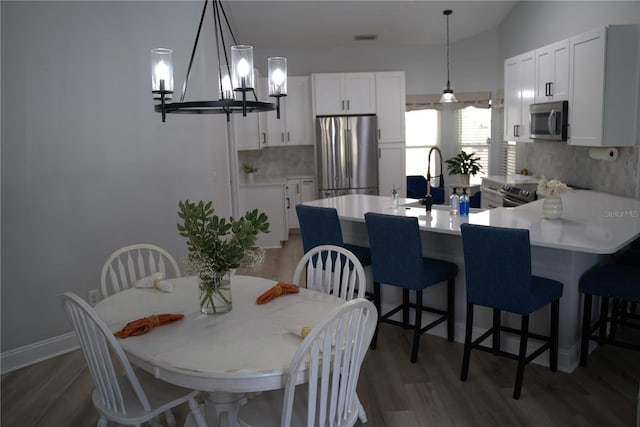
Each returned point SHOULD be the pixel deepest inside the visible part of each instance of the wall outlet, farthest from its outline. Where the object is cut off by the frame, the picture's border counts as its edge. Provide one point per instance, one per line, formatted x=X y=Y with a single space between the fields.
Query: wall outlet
x=94 y=297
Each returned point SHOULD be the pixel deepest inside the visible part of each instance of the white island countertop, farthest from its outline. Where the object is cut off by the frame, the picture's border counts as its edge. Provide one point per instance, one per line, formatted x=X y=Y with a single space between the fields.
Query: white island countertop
x=592 y=222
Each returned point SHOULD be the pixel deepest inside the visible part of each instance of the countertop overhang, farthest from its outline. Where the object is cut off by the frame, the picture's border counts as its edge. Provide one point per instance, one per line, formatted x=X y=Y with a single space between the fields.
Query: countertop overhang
x=592 y=222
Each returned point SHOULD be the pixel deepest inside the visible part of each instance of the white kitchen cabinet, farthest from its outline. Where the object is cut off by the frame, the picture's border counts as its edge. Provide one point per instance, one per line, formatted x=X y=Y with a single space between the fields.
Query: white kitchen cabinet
x=344 y=93
x=519 y=84
x=298 y=190
x=552 y=72
x=390 y=106
x=391 y=169
x=603 y=89
x=295 y=124
x=269 y=199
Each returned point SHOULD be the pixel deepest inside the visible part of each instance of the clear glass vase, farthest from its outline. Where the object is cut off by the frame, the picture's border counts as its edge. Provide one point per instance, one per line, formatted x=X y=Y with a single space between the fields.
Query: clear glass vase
x=215 y=294
x=552 y=207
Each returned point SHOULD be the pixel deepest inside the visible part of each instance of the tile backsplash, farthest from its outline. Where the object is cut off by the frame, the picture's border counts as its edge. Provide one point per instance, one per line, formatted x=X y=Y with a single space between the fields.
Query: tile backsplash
x=573 y=165
x=280 y=161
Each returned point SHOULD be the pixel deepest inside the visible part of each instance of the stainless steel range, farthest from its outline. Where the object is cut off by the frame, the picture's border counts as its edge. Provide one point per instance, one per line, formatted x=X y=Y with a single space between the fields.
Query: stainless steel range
x=513 y=196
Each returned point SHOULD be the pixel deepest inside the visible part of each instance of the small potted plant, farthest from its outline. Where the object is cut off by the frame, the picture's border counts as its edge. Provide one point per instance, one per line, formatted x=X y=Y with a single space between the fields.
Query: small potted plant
x=465 y=165
x=250 y=170
x=217 y=246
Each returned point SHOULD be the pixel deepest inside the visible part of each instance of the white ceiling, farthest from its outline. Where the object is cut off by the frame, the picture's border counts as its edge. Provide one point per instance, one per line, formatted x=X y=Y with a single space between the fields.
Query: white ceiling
x=331 y=23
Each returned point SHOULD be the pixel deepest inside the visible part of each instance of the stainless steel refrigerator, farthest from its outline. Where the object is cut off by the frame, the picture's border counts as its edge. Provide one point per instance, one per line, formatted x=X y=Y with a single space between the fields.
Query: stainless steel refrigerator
x=347 y=155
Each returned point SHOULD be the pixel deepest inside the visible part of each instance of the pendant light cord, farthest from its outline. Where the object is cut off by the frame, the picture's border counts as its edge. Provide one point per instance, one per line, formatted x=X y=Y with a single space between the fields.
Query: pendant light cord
x=447 y=13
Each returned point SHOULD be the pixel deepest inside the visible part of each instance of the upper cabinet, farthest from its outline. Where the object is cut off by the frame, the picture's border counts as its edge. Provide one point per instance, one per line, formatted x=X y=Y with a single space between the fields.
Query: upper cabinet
x=552 y=72
x=346 y=93
x=603 y=86
x=519 y=83
x=295 y=124
x=390 y=106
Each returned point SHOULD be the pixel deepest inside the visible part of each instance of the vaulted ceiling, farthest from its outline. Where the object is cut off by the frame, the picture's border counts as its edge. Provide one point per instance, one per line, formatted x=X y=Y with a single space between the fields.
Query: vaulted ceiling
x=331 y=23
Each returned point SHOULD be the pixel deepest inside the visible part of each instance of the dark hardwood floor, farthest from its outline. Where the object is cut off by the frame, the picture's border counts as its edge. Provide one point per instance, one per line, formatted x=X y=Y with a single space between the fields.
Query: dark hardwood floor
x=394 y=392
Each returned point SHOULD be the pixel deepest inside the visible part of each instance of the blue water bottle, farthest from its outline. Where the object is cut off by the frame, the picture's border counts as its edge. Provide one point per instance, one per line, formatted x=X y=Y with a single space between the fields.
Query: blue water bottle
x=464 y=203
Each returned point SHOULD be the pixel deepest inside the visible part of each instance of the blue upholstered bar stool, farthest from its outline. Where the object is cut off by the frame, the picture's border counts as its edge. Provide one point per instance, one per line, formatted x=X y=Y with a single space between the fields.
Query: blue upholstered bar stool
x=321 y=226
x=618 y=281
x=396 y=252
x=498 y=275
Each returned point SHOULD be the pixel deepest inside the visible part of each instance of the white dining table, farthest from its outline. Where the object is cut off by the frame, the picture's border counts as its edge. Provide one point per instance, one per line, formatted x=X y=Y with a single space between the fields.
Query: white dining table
x=245 y=350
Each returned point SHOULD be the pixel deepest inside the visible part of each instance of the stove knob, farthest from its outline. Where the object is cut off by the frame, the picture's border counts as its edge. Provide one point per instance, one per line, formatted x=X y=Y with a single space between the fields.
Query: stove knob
x=524 y=193
x=505 y=187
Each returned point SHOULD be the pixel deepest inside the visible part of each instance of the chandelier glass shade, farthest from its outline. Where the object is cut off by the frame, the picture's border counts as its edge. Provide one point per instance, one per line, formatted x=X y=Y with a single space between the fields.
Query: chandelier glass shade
x=236 y=77
x=447 y=93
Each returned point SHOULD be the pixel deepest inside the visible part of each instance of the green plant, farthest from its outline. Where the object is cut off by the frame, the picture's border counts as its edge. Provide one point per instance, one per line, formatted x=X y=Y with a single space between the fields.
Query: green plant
x=216 y=245
x=464 y=164
x=249 y=168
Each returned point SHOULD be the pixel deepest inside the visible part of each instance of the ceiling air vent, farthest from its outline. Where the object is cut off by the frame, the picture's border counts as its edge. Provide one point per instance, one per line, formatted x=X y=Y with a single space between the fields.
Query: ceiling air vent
x=359 y=37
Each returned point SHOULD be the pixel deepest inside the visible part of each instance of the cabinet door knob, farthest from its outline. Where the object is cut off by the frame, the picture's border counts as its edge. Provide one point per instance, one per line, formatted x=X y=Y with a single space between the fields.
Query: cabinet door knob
x=348 y=106
x=288 y=137
x=264 y=138
x=343 y=104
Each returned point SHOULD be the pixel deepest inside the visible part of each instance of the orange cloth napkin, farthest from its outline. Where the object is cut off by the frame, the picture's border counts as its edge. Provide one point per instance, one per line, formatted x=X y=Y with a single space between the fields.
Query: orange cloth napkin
x=279 y=289
x=145 y=324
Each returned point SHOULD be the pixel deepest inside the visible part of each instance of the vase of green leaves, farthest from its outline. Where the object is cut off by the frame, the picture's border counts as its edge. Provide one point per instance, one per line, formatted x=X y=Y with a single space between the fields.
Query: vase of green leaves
x=216 y=246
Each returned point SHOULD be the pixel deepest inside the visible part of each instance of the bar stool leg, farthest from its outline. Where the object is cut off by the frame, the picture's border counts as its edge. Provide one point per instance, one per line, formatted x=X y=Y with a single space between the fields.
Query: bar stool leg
x=586 y=329
x=405 y=308
x=497 y=322
x=416 y=328
x=604 y=315
x=451 y=304
x=467 y=343
x=378 y=304
x=553 y=336
x=615 y=313
x=522 y=356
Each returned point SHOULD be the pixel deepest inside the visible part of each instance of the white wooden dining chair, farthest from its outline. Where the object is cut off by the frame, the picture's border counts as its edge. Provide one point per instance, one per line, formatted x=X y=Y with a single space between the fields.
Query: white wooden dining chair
x=130 y=263
x=332 y=269
x=329 y=361
x=131 y=398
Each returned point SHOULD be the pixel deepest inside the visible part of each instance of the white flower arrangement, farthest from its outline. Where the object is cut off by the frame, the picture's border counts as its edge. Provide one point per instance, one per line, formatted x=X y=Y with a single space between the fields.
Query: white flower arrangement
x=552 y=187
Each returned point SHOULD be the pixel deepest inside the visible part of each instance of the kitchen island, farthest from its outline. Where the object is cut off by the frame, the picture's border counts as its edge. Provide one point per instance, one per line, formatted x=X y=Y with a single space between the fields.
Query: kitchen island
x=593 y=227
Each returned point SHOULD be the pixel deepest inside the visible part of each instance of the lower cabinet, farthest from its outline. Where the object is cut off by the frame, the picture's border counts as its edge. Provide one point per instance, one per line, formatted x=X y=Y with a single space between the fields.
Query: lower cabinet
x=269 y=199
x=298 y=190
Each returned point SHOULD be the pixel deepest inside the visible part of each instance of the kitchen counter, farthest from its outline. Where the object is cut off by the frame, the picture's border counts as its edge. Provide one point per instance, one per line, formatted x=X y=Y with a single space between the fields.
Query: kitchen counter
x=594 y=226
x=269 y=180
x=513 y=179
x=592 y=222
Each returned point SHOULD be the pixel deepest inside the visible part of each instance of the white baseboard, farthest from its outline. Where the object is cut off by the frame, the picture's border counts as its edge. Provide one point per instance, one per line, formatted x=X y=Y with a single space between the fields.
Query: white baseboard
x=37 y=352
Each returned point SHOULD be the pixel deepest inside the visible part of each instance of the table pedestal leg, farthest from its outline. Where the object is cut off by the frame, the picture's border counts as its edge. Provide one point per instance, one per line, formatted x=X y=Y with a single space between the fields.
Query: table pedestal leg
x=222 y=409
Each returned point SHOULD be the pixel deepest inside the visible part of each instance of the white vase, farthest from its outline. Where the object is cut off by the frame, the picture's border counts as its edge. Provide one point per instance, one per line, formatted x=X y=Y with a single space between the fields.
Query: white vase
x=464 y=180
x=552 y=207
x=250 y=177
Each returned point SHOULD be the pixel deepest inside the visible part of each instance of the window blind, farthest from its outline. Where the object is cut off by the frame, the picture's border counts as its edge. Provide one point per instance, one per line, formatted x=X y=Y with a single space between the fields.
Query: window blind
x=473 y=130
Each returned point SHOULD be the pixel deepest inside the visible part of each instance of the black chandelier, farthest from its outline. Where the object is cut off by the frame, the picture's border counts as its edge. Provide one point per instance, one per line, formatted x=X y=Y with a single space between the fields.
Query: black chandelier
x=235 y=79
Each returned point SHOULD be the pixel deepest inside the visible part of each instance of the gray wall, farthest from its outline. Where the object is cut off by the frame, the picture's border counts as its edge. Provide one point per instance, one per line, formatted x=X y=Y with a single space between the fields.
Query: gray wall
x=534 y=24
x=87 y=166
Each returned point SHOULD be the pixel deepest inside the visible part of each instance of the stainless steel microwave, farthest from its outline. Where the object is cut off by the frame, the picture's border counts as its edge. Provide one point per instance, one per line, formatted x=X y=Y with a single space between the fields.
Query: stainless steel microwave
x=548 y=121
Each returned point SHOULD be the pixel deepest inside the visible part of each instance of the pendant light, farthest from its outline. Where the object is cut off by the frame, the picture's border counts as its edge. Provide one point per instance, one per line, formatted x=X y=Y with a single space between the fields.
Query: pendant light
x=447 y=93
x=235 y=80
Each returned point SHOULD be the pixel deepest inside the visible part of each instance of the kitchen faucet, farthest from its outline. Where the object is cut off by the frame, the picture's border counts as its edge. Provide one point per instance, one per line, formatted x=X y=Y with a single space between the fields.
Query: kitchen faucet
x=428 y=199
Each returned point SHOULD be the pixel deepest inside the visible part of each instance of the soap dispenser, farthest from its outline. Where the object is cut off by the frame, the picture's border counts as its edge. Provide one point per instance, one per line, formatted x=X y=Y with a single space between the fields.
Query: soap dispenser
x=464 y=203
x=454 y=203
